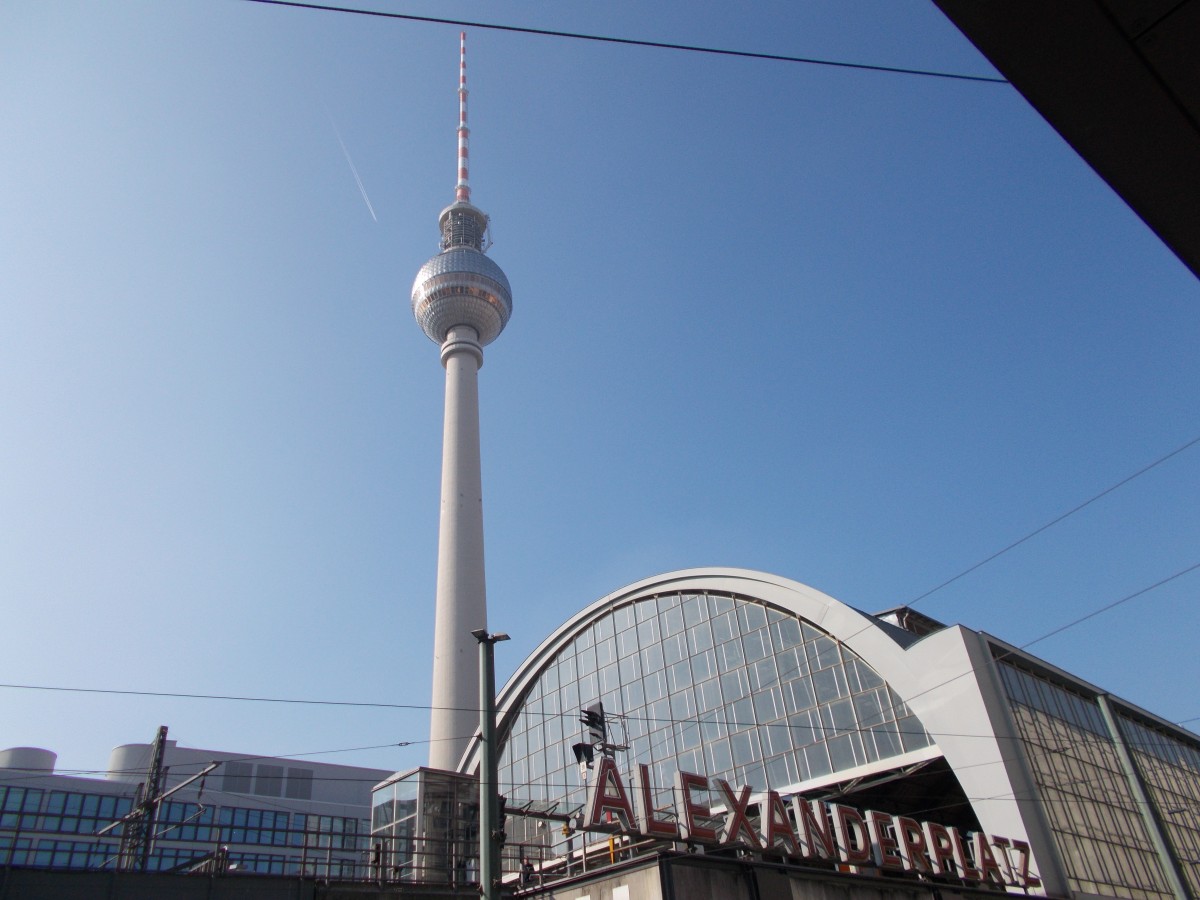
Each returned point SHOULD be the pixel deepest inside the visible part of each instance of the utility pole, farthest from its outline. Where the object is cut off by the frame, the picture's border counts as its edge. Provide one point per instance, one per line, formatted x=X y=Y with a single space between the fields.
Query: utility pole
x=490 y=835
x=137 y=839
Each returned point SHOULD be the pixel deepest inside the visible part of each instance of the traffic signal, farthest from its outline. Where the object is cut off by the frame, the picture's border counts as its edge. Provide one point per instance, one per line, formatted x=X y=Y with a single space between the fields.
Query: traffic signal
x=584 y=754
x=500 y=835
x=593 y=718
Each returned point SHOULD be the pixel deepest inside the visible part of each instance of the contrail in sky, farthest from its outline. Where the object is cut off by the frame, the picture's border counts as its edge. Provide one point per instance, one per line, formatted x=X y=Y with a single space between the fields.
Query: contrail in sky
x=353 y=169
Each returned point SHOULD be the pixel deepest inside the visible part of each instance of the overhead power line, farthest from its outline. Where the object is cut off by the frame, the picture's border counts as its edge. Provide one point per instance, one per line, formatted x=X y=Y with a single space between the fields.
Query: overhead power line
x=182 y=696
x=425 y=707
x=1061 y=628
x=185 y=768
x=1108 y=606
x=1055 y=521
x=983 y=562
x=634 y=42
x=699 y=718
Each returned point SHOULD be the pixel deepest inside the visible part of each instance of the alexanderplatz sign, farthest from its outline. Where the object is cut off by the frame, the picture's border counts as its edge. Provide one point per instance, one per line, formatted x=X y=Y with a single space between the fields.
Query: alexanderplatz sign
x=822 y=830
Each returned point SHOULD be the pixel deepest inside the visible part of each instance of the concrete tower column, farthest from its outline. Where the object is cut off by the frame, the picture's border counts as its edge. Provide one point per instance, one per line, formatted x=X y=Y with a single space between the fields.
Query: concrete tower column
x=461 y=591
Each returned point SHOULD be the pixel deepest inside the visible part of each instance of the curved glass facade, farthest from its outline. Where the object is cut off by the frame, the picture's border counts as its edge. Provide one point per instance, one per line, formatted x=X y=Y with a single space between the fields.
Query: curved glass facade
x=720 y=685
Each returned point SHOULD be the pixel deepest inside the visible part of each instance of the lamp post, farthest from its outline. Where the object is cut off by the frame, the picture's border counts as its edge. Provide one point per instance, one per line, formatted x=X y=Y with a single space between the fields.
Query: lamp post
x=489 y=795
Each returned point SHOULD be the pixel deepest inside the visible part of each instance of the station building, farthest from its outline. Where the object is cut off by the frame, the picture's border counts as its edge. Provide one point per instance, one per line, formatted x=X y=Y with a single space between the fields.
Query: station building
x=894 y=749
x=266 y=815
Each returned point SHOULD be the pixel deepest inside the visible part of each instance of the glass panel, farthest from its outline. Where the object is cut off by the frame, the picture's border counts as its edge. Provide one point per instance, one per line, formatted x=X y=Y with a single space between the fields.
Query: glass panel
x=672 y=621
x=768 y=706
x=652 y=658
x=679 y=676
x=791 y=663
x=817 y=757
x=735 y=685
x=826 y=684
x=741 y=713
x=799 y=694
x=606 y=651
x=655 y=686
x=745 y=746
x=826 y=652
x=704 y=665
x=674 y=649
x=757 y=645
x=683 y=705
x=763 y=674
x=627 y=645
x=700 y=638
x=731 y=655
x=610 y=682
x=633 y=695
x=708 y=695
x=631 y=668
x=786 y=634
x=712 y=757
x=720 y=605
x=751 y=617
x=841 y=716
x=724 y=627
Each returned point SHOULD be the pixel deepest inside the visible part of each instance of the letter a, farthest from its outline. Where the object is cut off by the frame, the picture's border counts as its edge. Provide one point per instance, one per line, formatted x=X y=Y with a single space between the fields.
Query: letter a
x=607 y=794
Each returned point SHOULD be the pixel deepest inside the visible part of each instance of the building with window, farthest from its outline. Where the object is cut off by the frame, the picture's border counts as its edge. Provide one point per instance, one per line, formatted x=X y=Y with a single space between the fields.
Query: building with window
x=965 y=761
x=266 y=815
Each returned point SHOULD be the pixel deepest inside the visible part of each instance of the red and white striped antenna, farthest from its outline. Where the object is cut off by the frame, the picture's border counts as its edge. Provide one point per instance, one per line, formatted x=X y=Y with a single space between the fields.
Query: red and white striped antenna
x=462 y=191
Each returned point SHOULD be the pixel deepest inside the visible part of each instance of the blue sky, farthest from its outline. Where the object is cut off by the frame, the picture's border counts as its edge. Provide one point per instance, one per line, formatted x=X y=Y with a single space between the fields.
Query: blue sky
x=861 y=330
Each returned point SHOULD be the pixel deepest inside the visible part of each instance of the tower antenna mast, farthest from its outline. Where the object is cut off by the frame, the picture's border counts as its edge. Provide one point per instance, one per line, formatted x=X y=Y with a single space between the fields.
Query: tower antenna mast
x=462 y=190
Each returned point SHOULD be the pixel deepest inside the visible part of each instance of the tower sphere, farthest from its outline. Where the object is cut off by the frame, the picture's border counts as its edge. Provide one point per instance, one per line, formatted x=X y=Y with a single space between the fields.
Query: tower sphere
x=462 y=286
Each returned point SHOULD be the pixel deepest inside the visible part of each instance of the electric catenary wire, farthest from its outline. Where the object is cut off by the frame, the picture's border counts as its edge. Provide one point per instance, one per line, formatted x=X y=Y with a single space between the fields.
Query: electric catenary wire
x=664 y=720
x=415 y=706
x=1009 y=653
x=1049 y=525
x=1055 y=521
x=634 y=42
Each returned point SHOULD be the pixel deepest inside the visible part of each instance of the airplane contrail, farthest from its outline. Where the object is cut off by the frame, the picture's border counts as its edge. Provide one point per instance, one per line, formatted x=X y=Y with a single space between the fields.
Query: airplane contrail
x=353 y=169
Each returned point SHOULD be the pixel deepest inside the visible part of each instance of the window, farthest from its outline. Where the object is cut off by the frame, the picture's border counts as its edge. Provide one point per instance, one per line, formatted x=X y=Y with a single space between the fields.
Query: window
x=299 y=784
x=237 y=777
x=268 y=781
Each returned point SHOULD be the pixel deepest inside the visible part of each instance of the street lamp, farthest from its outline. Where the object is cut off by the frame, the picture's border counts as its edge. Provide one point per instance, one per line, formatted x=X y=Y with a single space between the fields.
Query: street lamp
x=489 y=795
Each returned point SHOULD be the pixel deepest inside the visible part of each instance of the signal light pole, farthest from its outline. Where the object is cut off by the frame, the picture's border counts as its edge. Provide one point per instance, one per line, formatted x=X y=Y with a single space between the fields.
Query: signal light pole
x=489 y=794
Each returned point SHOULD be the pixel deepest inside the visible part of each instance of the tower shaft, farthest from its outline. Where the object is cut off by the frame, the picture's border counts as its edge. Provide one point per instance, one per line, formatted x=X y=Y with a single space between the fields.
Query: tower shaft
x=461 y=593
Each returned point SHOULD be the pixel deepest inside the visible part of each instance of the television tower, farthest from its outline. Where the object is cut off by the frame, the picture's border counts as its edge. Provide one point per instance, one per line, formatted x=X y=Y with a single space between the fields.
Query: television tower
x=462 y=300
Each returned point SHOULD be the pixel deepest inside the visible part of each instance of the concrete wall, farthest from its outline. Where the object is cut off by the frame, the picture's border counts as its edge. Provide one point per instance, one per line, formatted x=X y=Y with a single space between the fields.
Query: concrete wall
x=689 y=877
x=631 y=884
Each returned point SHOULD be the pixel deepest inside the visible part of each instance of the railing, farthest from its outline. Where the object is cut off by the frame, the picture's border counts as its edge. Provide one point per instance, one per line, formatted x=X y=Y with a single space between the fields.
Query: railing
x=307 y=852
x=325 y=855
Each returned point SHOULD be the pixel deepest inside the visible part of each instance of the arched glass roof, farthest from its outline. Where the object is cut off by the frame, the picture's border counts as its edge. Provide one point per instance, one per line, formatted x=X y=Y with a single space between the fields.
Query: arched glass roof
x=714 y=683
